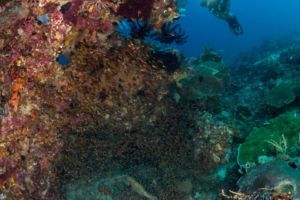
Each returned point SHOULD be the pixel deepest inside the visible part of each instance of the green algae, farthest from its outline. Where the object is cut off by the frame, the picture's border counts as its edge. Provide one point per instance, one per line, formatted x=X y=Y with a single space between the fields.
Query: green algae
x=284 y=129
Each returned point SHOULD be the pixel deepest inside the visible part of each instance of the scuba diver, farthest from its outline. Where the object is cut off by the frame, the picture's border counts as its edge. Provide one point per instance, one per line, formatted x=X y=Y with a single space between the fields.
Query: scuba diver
x=221 y=9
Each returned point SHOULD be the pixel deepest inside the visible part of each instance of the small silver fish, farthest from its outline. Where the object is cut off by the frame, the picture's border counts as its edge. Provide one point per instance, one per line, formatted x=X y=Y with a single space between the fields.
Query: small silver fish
x=138 y=188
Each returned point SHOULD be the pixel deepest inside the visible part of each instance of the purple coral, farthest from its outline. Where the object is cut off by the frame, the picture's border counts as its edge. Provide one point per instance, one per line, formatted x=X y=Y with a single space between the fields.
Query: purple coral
x=70 y=15
x=136 y=9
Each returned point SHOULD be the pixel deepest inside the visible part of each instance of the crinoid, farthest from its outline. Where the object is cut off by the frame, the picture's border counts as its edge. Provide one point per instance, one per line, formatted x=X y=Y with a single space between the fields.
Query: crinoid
x=140 y=29
x=170 y=33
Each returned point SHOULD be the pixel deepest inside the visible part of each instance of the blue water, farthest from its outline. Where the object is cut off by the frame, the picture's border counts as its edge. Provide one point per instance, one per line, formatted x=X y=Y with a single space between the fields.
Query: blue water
x=261 y=20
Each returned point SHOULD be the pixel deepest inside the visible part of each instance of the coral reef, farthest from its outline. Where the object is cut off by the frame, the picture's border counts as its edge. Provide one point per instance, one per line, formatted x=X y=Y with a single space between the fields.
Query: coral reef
x=106 y=84
x=212 y=142
x=77 y=99
x=3 y=2
x=87 y=112
x=264 y=102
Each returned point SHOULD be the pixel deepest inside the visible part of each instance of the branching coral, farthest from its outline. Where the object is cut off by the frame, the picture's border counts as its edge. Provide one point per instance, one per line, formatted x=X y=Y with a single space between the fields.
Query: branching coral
x=281 y=146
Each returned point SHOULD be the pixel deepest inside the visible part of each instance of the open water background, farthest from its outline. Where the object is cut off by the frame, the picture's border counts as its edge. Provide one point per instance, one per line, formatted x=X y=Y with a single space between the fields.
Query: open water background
x=261 y=20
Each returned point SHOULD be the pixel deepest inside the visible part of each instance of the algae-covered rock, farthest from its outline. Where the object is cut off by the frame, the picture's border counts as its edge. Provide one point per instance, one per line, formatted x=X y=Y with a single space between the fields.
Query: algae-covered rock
x=281 y=95
x=208 y=79
x=12 y=14
x=277 y=178
x=185 y=186
x=279 y=136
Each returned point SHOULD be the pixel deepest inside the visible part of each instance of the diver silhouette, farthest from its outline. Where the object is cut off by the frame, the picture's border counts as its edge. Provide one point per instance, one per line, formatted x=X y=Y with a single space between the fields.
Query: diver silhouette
x=221 y=9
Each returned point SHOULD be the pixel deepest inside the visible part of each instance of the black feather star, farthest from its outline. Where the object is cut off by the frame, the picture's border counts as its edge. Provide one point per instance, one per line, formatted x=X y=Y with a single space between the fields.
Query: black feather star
x=140 y=29
x=170 y=33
